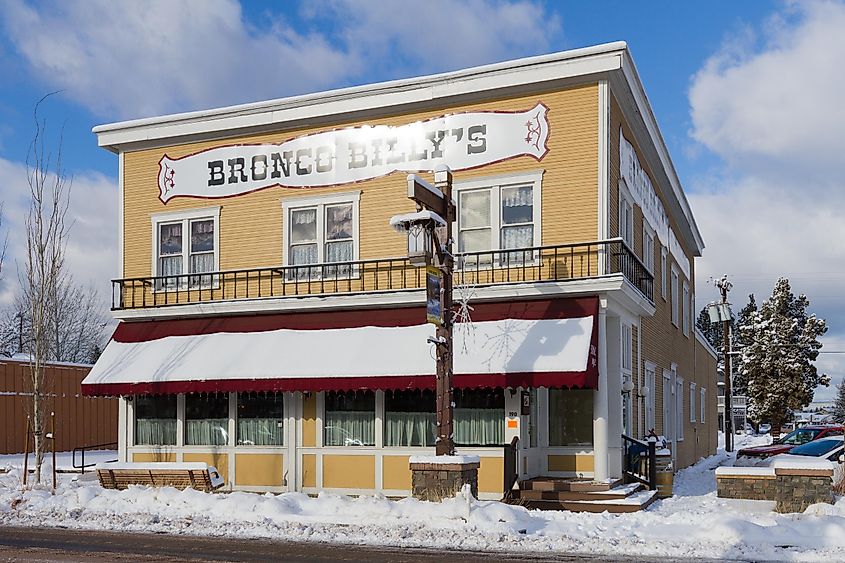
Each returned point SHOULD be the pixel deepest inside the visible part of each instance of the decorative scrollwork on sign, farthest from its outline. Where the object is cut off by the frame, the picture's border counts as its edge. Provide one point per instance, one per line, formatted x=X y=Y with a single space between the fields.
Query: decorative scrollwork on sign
x=534 y=129
x=167 y=178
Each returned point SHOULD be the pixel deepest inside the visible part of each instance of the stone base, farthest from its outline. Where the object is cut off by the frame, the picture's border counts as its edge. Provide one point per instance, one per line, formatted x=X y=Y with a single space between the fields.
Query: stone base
x=792 y=489
x=436 y=481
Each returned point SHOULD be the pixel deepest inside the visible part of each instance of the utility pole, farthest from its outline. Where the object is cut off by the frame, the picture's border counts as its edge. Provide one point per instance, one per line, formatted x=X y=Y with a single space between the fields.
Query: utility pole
x=725 y=286
x=445 y=443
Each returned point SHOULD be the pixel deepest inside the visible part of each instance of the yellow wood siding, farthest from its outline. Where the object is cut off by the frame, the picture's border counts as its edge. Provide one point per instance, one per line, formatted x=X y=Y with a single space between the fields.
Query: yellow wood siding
x=169 y=457
x=491 y=475
x=396 y=472
x=349 y=471
x=309 y=470
x=251 y=225
x=574 y=463
x=259 y=470
x=219 y=461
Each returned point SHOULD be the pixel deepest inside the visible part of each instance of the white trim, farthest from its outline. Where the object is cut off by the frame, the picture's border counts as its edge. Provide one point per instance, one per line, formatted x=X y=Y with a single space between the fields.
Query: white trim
x=321 y=202
x=686 y=312
x=648 y=257
x=185 y=214
x=603 y=175
x=674 y=295
x=703 y=405
x=625 y=203
x=121 y=273
x=679 y=401
x=693 y=399
x=664 y=272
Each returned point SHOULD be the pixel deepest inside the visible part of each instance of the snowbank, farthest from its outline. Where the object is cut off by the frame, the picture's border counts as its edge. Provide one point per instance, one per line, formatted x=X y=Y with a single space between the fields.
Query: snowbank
x=692 y=524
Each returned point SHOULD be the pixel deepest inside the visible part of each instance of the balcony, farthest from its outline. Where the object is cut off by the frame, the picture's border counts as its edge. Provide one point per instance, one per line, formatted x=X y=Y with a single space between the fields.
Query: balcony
x=738 y=401
x=556 y=263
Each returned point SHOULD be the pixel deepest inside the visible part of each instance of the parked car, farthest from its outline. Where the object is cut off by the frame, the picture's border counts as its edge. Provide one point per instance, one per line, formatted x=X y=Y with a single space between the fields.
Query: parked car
x=758 y=454
x=830 y=448
x=765 y=428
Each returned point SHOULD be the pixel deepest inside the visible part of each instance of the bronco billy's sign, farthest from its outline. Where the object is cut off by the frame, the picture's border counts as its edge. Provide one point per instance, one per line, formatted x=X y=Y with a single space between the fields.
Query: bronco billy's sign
x=461 y=141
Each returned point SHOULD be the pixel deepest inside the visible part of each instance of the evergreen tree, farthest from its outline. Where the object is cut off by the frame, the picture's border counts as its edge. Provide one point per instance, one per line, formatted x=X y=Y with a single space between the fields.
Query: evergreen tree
x=780 y=344
x=740 y=386
x=839 y=405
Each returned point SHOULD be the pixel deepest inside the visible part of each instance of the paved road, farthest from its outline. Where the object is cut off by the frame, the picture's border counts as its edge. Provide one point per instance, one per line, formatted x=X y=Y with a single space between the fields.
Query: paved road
x=56 y=545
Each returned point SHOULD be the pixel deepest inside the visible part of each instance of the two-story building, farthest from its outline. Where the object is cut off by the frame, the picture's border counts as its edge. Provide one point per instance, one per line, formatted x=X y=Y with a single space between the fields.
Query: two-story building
x=272 y=325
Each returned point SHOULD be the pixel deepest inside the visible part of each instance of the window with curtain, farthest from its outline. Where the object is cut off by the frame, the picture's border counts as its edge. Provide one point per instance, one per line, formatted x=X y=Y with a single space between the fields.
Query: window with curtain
x=498 y=216
x=350 y=418
x=479 y=417
x=155 y=420
x=676 y=299
x=685 y=306
x=320 y=233
x=409 y=418
x=571 y=417
x=692 y=401
x=207 y=419
x=648 y=247
x=261 y=419
x=186 y=246
x=626 y=220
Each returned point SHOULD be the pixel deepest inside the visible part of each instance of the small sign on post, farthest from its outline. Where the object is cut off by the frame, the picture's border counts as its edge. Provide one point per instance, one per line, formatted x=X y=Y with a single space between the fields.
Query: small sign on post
x=433 y=286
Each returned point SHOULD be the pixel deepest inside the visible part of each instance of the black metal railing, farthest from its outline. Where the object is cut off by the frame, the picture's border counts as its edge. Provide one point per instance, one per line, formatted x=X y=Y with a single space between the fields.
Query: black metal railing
x=82 y=449
x=533 y=264
x=639 y=461
x=511 y=466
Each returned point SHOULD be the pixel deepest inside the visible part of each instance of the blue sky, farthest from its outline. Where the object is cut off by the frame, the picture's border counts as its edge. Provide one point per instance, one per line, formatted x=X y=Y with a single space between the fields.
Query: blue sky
x=747 y=94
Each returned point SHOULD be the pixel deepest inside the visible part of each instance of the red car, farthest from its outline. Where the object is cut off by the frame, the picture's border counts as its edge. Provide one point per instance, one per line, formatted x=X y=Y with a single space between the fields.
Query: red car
x=755 y=455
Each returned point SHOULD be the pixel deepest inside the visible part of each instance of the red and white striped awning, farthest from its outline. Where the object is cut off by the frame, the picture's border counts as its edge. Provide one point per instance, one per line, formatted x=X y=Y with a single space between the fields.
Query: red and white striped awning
x=550 y=343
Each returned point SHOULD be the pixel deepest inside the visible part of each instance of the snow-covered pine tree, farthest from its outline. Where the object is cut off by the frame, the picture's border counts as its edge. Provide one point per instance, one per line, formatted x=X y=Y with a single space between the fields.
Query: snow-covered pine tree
x=781 y=342
x=740 y=386
x=839 y=404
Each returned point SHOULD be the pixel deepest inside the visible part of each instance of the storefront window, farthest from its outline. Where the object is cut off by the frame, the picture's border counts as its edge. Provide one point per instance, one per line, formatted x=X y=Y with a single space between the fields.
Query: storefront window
x=350 y=418
x=409 y=418
x=261 y=419
x=155 y=420
x=570 y=417
x=207 y=419
x=479 y=417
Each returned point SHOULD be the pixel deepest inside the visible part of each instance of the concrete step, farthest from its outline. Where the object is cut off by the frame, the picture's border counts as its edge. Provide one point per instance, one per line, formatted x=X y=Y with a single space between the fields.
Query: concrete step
x=632 y=503
x=618 y=492
x=564 y=484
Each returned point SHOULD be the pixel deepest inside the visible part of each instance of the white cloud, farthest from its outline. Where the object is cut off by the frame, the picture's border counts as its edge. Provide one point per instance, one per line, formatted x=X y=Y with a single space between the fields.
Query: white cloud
x=91 y=252
x=770 y=105
x=130 y=59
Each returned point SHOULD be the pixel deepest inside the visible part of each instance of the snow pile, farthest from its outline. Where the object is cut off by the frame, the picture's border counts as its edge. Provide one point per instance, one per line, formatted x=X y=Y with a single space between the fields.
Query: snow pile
x=694 y=523
x=444 y=459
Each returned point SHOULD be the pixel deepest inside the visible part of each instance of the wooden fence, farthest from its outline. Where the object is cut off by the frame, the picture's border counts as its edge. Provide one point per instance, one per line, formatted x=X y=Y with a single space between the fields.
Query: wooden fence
x=79 y=420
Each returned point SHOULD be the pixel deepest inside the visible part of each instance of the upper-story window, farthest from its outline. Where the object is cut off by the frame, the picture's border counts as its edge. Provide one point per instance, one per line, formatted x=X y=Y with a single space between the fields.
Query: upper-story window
x=321 y=230
x=676 y=298
x=499 y=213
x=664 y=271
x=648 y=247
x=626 y=216
x=686 y=309
x=185 y=243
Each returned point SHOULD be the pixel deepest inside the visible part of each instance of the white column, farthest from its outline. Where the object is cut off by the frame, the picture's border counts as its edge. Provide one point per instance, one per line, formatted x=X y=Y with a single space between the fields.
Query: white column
x=600 y=401
x=613 y=374
x=123 y=428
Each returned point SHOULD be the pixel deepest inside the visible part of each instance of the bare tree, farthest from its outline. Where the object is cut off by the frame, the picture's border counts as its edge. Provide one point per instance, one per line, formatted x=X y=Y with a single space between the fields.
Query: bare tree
x=46 y=236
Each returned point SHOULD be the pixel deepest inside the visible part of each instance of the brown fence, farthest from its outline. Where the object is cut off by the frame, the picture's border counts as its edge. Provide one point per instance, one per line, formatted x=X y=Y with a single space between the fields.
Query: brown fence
x=79 y=420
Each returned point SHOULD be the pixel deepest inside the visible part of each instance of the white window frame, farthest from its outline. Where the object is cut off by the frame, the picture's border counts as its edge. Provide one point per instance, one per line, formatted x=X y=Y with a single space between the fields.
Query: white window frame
x=495 y=184
x=703 y=405
x=664 y=271
x=679 y=398
x=651 y=385
x=626 y=215
x=648 y=247
x=685 y=307
x=320 y=202
x=692 y=401
x=675 y=297
x=186 y=217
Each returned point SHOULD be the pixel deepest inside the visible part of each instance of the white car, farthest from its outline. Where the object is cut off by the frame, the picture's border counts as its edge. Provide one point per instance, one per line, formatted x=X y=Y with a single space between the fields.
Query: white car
x=830 y=449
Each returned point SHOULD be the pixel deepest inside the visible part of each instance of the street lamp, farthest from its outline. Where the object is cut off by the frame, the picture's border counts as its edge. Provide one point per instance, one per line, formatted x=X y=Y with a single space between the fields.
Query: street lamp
x=420 y=228
x=720 y=312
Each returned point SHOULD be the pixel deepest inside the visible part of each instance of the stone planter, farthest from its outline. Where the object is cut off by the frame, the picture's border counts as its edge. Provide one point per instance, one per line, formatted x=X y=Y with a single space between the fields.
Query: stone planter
x=434 y=478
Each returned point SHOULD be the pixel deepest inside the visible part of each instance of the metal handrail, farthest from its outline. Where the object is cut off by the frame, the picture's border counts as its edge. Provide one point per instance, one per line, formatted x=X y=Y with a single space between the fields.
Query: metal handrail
x=530 y=264
x=636 y=467
x=82 y=465
x=511 y=469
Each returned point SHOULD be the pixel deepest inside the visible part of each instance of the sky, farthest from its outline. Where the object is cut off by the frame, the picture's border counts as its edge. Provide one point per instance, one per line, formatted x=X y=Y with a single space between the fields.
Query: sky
x=747 y=95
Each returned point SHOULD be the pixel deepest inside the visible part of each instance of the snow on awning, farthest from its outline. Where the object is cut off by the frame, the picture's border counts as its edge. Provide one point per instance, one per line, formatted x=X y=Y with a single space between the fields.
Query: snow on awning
x=490 y=352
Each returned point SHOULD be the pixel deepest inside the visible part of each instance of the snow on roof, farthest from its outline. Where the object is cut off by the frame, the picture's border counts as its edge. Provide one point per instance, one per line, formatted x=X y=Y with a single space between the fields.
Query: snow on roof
x=745 y=471
x=400 y=222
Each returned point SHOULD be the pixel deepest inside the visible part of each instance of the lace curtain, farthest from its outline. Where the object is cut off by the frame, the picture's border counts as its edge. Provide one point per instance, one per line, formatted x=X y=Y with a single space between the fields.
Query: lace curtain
x=483 y=427
x=350 y=428
x=410 y=429
x=207 y=432
x=260 y=432
x=155 y=431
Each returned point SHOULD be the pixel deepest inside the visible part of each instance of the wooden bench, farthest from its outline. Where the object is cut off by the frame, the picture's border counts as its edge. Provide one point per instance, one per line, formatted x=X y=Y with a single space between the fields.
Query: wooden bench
x=196 y=475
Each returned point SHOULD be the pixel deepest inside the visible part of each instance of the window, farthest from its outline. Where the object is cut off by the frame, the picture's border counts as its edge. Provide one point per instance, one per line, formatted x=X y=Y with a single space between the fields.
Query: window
x=651 y=391
x=185 y=243
x=626 y=221
x=207 y=419
x=664 y=272
x=703 y=409
x=627 y=347
x=155 y=420
x=679 y=398
x=676 y=298
x=321 y=230
x=479 y=417
x=350 y=418
x=686 y=309
x=570 y=417
x=261 y=419
x=648 y=248
x=499 y=216
x=692 y=401
x=409 y=418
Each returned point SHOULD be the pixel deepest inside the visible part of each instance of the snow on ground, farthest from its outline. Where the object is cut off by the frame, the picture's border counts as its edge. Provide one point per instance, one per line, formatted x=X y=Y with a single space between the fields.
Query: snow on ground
x=694 y=523
x=64 y=460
